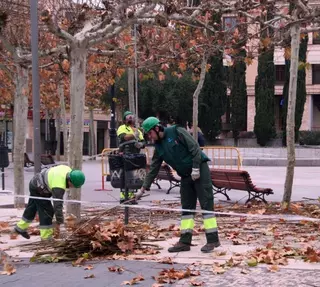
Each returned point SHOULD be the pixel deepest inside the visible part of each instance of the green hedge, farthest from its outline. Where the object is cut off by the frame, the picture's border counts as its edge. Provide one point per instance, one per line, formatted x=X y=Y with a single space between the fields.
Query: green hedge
x=309 y=138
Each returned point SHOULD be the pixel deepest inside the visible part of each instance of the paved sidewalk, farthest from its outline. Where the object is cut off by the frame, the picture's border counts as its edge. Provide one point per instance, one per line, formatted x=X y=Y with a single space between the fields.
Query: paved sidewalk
x=61 y=274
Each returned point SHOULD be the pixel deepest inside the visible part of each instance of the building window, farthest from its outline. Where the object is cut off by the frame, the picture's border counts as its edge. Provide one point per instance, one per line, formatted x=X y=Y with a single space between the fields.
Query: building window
x=316 y=38
x=280 y=74
x=316 y=74
x=229 y=24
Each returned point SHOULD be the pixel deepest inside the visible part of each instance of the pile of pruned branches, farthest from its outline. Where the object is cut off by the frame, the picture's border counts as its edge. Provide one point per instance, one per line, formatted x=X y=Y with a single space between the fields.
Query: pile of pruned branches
x=90 y=240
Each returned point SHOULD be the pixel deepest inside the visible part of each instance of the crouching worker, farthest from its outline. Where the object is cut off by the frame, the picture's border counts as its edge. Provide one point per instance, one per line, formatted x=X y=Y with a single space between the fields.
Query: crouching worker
x=48 y=183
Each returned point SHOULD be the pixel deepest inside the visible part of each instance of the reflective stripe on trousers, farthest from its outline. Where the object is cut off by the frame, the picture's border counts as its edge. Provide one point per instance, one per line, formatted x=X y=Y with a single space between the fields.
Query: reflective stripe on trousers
x=187 y=223
x=46 y=232
x=210 y=223
x=23 y=224
x=123 y=194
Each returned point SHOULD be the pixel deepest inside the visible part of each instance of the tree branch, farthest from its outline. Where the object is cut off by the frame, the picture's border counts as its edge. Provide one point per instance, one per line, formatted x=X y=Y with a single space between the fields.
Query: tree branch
x=116 y=26
x=55 y=29
x=106 y=52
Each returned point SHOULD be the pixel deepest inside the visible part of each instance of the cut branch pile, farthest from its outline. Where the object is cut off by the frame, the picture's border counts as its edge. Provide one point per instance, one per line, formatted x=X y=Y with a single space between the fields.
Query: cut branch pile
x=92 y=240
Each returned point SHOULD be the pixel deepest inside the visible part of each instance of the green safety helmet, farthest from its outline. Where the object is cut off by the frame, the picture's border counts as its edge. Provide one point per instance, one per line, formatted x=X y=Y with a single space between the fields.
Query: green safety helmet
x=127 y=113
x=77 y=178
x=150 y=123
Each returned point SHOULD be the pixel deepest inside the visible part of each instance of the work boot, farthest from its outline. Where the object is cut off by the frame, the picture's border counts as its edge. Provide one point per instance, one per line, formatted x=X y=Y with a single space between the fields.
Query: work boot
x=210 y=247
x=179 y=247
x=24 y=234
x=128 y=201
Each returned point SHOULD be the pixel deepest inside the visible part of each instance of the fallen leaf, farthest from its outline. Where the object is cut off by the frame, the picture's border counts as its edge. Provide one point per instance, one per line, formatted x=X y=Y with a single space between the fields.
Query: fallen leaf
x=78 y=262
x=243 y=219
x=89 y=267
x=157 y=285
x=133 y=281
x=194 y=282
x=218 y=269
x=165 y=260
x=89 y=276
x=273 y=268
x=13 y=236
x=252 y=262
x=8 y=269
x=220 y=253
x=238 y=242
x=118 y=269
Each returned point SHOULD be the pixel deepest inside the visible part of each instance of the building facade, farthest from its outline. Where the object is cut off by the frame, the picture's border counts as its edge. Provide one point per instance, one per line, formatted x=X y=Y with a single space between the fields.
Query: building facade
x=311 y=115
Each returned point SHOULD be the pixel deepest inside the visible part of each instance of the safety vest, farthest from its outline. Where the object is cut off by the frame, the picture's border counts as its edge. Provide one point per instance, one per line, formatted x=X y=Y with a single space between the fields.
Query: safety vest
x=174 y=152
x=56 y=177
x=128 y=130
x=128 y=146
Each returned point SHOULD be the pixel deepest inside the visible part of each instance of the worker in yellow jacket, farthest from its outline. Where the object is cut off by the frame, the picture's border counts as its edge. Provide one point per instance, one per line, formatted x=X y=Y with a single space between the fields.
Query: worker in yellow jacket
x=48 y=183
x=131 y=140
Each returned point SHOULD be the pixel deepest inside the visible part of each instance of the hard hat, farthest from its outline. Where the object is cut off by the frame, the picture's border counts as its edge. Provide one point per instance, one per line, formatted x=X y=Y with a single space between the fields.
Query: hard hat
x=77 y=178
x=150 y=123
x=127 y=113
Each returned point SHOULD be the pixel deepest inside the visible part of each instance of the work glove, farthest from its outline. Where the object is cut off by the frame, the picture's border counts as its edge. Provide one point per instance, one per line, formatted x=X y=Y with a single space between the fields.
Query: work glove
x=195 y=173
x=139 y=194
x=138 y=145
x=136 y=134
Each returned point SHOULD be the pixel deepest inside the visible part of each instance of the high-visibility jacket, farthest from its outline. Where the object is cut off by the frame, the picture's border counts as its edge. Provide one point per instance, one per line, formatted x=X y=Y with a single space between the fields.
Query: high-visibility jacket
x=128 y=146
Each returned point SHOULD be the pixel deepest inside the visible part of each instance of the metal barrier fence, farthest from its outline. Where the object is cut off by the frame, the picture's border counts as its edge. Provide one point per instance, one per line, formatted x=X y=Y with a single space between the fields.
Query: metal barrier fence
x=223 y=157
x=105 y=171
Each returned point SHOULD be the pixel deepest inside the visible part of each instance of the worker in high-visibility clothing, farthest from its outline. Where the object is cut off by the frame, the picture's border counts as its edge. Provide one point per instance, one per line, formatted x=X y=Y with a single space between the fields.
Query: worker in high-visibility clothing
x=48 y=183
x=131 y=140
x=176 y=147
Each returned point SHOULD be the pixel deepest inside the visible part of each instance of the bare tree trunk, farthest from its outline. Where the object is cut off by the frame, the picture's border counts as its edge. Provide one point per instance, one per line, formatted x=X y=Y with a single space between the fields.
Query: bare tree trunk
x=58 y=120
x=295 y=41
x=196 y=98
x=78 y=60
x=92 y=134
x=58 y=132
x=20 y=129
x=64 y=121
x=131 y=89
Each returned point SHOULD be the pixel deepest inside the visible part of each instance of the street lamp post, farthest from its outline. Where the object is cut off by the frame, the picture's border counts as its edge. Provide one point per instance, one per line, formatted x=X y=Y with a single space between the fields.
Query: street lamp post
x=35 y=85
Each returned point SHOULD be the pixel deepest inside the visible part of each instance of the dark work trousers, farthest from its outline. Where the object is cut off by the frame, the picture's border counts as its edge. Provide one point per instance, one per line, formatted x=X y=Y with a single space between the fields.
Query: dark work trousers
x=201 y=190
x=43 y=207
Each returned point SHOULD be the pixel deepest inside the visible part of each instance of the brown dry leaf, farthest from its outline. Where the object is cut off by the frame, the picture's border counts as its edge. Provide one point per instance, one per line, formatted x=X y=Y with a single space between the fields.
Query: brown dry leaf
x=118 y=269
x=273 y=268
x=34 y=231
x=232 y=235
x=89 y=267
x=238 y=242
x=220 y=253
x=259 y=211
x=89 y=276
x=165 y=260
x=194 y=282
x=133 y=281
x=4 y=226
x=218 y=269
x=243 y=219
x=78 y=262
x=13 y=236
x=157 y=285
x=8 y=269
